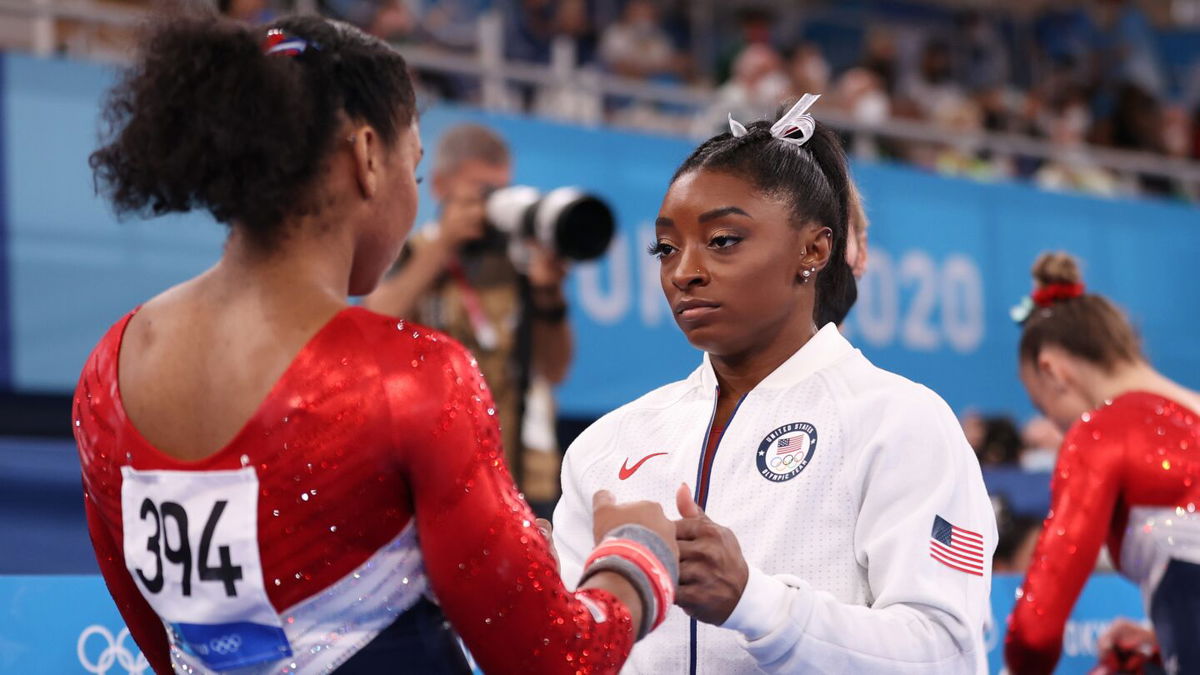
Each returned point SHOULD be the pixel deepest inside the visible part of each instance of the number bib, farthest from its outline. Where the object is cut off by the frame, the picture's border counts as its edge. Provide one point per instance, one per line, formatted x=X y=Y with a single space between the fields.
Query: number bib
x=191 y=544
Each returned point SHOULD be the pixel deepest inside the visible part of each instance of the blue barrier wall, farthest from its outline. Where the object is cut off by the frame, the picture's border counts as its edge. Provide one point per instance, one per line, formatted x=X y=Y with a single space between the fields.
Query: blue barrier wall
x=37 y=635
x=948 y=257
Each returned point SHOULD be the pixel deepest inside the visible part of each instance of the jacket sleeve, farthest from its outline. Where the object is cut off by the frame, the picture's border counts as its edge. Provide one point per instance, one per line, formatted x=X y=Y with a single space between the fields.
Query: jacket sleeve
x=918 y=482
x=573 y=538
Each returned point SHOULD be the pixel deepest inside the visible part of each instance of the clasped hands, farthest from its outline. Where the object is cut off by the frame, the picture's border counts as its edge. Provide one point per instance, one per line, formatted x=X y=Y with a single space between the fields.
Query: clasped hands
x=712 y=571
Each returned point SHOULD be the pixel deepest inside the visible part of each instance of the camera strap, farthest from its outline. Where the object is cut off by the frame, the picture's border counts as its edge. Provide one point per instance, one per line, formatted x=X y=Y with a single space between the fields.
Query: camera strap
x=485 y=332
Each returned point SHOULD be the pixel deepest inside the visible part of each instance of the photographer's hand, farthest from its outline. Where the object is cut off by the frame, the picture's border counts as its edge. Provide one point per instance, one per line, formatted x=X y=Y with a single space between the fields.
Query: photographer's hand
x=463 y=217
x=547 y=271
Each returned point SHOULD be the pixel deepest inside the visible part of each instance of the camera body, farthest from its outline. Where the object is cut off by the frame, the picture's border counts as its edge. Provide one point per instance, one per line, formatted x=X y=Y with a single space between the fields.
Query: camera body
x=574 y=224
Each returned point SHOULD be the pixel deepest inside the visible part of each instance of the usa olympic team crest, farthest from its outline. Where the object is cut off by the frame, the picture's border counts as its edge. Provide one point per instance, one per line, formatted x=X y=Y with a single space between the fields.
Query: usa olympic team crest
x=786 y=451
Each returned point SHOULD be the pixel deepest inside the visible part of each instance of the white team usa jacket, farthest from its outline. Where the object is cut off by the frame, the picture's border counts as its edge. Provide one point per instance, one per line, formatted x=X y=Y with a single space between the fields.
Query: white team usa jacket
x=857 y=502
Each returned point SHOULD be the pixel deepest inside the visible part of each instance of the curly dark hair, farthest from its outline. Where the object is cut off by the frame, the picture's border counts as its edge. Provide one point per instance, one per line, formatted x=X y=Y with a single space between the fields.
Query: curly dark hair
x=206 y=120
x=813 y=179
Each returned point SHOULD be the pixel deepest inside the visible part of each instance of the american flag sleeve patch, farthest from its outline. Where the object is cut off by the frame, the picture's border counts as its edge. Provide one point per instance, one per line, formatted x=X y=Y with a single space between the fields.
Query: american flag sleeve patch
x=956 y=547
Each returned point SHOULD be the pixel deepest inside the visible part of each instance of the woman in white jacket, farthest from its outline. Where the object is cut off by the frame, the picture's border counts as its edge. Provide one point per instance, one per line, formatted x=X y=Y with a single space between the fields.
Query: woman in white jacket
x=837 y=520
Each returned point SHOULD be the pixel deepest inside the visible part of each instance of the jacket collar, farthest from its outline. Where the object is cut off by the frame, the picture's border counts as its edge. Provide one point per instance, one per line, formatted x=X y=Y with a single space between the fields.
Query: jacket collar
x=823 y=350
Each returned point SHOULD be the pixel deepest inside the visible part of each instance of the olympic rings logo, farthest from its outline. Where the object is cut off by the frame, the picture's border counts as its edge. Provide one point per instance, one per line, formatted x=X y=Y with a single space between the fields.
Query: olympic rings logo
x=784 y=462
x=114 y=652
x=226 y=644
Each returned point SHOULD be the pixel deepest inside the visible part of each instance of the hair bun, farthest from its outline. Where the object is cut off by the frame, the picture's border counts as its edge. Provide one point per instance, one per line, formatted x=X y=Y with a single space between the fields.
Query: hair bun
x=1057 y=267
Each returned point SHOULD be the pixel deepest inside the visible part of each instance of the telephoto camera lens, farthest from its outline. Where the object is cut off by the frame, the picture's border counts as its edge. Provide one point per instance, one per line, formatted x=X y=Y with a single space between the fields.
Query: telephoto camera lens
x=572 y=223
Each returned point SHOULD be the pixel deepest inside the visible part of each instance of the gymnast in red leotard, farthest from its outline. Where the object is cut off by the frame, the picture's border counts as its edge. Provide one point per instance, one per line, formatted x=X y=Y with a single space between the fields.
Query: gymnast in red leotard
x=276 y=481
x=1128 y=473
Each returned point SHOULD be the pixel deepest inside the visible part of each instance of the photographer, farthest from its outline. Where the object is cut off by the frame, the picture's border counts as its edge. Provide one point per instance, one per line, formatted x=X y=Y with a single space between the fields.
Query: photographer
x=456 y=275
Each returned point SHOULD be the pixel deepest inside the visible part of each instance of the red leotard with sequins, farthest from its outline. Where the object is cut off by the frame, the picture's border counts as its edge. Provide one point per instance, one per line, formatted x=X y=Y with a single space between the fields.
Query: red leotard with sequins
x=1128 y=473
x=376 y=428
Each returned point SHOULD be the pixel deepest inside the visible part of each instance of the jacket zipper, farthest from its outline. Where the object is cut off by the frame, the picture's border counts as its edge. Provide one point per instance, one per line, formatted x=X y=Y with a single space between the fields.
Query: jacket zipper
x=702 y=478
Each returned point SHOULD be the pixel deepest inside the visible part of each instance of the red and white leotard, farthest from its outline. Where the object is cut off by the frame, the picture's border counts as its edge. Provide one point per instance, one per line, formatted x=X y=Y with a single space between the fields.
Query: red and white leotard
x=1128 y=474
x=370 y=476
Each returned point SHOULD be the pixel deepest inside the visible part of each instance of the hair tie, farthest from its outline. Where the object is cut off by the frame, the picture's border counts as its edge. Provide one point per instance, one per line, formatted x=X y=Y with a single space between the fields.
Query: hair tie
x=795 y=127
x=279 y=41
x=1044 y=297
x=1049 y=294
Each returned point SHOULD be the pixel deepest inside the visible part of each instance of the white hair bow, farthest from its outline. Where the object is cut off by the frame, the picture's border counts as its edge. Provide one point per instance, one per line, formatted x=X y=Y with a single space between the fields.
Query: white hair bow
x=796 y=127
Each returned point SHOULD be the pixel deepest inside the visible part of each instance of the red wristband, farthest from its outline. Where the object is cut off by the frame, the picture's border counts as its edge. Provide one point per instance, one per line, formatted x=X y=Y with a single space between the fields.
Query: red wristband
x=648 y=563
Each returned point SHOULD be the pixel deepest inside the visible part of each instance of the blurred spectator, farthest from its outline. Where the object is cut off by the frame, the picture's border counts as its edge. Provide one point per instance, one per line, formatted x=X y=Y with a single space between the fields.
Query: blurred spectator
x=1067 y=37
x=1130 y=46
x=1066 y=123
x=391 y=20
x=994 y=438
x=530 y=28
x=1002 y=108
x=982 y=53
x=453 y=24
x=758 y=86
x=1017 y=537
x=1040 y=440
x=808 y=70
x=974 y=429
x=1014 y=548
x=962 y=120
x=394 y=22
x=879 y=57
x=566 y=99
x=1178 y=141
x=572 y=21
x=861 y=93
x=753 y=28
x=1177 y=132
x=249 y=11
x=1137 y=124
x=636 y=45
x=931 y=86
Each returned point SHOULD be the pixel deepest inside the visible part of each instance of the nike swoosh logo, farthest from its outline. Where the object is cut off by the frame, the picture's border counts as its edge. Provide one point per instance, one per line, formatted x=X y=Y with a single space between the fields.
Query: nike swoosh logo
x=627 y=471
